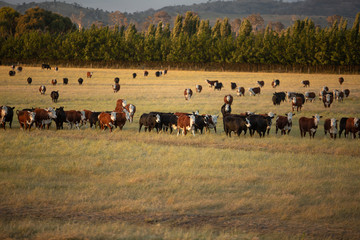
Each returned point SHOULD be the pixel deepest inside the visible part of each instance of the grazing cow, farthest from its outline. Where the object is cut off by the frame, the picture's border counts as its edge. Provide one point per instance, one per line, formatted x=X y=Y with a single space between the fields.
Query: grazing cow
x=26 y=119
x=131 y=109
x=188 y=93
x=42 y=89
x=116 y=80
x=116 y=87
x=328 y=100
x=240 y=91
x=121 y=118
x=54 y=96
x=47 y=66
x=12 y=73
x=211 y=83
x=330 y=126
x=341 y=96
x=94 y=119
x=233 y=85
x=284 y=123
x=228 y=99
x=65 y=81
x=134 y=75
x=261 y=83
x=259 y=124
x=346 y=92
x=107 y=120
x=146 y=73
x=60 y=118
x=296 y=102
x=157 y=73
x=149 y=121
x=341 y=80
x=306 y=83
x=29 y=80
x=236 y=125
x=89 y=74
x=276 y=99
x=309 y=125
x=186 y=123
x=43 y=117
x=310 y=96
x=74 y=117
x=120 y=104
x=53 y=81
x=198 y=88
x=254 y=91
x=80 y=81
x=350 y=125
x=275 y=83
x=218 y=86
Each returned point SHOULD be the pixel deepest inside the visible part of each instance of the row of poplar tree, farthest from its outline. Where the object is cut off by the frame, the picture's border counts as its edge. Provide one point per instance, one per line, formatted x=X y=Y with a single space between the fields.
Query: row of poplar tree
x=190 y=40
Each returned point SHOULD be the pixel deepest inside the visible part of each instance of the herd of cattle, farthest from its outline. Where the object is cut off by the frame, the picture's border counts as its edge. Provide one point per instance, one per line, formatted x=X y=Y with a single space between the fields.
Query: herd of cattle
x=194 y=122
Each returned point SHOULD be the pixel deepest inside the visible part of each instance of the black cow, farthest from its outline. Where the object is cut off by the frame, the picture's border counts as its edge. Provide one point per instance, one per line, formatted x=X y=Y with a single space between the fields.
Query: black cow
x=165 y=121
x=218 y=86
x=134 y=75
x=116 y=80
x=60 y=118
x=259 y=124
x=157 y=73
x=146 y=73
x=47 y=66
x=54 y=96
x=80 y=81
x=235 y=124
x=94 y=118
x=65 y=81
x=276 y=99
x=29 y=80
x=12 y=73
x=233 y=85
x=201 y=122
x=149 y=121
x=9 y=116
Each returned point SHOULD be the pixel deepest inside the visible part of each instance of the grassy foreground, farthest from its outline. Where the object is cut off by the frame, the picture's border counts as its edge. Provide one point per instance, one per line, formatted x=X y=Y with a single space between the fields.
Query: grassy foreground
x=90 y=184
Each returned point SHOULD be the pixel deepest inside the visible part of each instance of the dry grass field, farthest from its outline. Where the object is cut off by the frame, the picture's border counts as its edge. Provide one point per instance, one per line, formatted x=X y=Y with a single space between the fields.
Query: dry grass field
x=93 y=184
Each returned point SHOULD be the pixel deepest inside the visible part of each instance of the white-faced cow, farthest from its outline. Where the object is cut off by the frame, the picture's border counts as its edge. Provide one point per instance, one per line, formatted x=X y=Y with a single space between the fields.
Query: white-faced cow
x=54 y=96
x=330 y=126
x=107 y=120
x=254 y=91
x=26 y=119
x=240 y=91
x=228 y=99
x=87 y=114
x=149 y=121
x=120 y=104
x=186 y=123
x=309 y=125
x=3 y=112
x=284 y=123
x=198 y=88
x=53 y=81
x=328 y=100
x=261 y=83
x=296 y=103
x=116 y=87
x=310 y=96
x=29 y=80
x=89 y=74
x=275 y=83
x=350 y=125
x=212 y=122
x=305 y=83
x=218 y=86
x=188 y=93
x=42 y=89
x=236 y=124
x=74 y=117
x=43 y=117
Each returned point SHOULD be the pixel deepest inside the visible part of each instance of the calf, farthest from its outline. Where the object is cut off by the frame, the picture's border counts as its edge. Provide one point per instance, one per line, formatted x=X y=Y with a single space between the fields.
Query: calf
x=341 y=80
x=80 y=81
x=29 y=80
x=254 y=91
x=350 y=125
x=60 y=118
x=218 y=86
x=107 y=120
x=26 y=119
x=236 y=125
x=188 y=93
x=186 y=123
x=233 y=85
x=54 y=96
x=328 y=100
x=310 y=96
x=240 y=91
x=275 y=83
x=149 y=121
x=284 y=123
x=198 y=88
x=228 y=99
x=261 y=83
x=116 y=87
x=89 y=74
x=43 y=117
x=330 y=126
x=296 y=102
x=74 y=117
x=306 y=83
x=309 y=125
x=53 y=81
x=65 y=81
x=42 y=89
x=211 y=83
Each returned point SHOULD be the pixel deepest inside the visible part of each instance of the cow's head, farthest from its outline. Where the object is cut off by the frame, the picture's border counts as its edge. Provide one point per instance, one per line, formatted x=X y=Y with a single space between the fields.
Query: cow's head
x=113 y=116
x=214 y=119
x=83 y=116
x=356 y=122
x=31 y=116
x=51 y=112
x=124 y=103
x=192 y=120
x=316 y=119
x=289 y=116
x=333 y=123
x=294 y=100
x=158 y=118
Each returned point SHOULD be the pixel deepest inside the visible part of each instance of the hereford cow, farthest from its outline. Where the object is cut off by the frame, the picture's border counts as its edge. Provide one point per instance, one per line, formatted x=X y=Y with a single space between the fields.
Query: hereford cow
x=309 y=125
x=120 y=104
x=350 y=125
x=275 y=83
x=134 y=75
x=60 y=118
x=29 y=80
x=218 y=86
x=65 y=81
x=146 y=73
x=89 y=74
x=233 y=85
x=121 y=118
x=47 y=66
x=240 y=91
x=198 y=88
x=284 y=123
x=188 y=93
x=74 y=117
x=9 y=115
x=149 y=121
x=330 y=126
x=236 y=125
x=42 y=89
x=228 y=99
x=80 y=81
x=261 y=83
x=336 y=94
x=107 y=120
x=296 y=103
x=254 y=91
x=54 y=96
x=306 y=83
x=186 y=123
x=328 y=100
x=346 y=92
x=131 y=109
x=212 y=122
x=341 y=80
x=87 y=114
x=310 y=96
x=211 y=83
x=116 y=87
x=43 y=117
x=26 y=119
x=53 y=81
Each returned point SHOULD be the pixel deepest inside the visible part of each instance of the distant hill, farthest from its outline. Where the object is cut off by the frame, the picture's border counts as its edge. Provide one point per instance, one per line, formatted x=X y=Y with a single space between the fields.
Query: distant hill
x=270 y=10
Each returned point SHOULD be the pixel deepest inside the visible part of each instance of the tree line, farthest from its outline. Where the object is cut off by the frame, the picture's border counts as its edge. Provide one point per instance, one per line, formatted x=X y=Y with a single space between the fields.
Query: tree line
x=41 y=36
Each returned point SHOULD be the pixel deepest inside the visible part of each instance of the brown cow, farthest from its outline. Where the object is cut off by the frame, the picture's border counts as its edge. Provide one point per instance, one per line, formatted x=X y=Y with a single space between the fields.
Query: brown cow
x=186 y=123
x=352 y=125
x=309 y=125
x=89 y=74
x=254 y=91
x=228 y=99
x=261 y=83
x=120 y=104
x=87 y=114
x=116 y=87
x=330 y=126
x=54 y=82
x=42 y=89
x=341 y=96
x=74 y=117
x=44 y=117
x=107 y=119
x=188 y=93
x=328 y=100
x=198 y=88
x=306 y=83
x=121 y=118
x=284 y=123
x=240 y=91
x=26 y=119
x=346 y=92
x=341 y=80
x=296 y=102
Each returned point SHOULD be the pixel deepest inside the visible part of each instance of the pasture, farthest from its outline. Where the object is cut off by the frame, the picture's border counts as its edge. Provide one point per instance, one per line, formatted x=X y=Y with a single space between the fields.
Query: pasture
x=93 y=184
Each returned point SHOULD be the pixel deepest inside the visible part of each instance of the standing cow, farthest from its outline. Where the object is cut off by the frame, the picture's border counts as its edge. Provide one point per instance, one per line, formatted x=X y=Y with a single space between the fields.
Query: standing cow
x=80 y=81
x=328 y=100
x=186 y=123
x=306 y=83
x=284 y=123
x=198 y=88
x=254 y=91
x=350 y=125
x=54 y=96
x=53 y=82
x=74 y=117
x=29 y=80
x=275 y=83
x=188 y=93
x=42 y=89
x=309 y=125
x=89 y=74
x=44 y=117
x=240 y=91
x=107 y=120
x=26 y=119
x=296 y=103
x=310 y=96
x=341 y=80
x=261 y=83
x=116 y=87
x=330 y=126
x=233 y=85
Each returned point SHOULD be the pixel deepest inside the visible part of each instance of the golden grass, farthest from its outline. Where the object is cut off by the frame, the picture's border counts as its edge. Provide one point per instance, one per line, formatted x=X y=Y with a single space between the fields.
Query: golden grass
x=89 y=184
